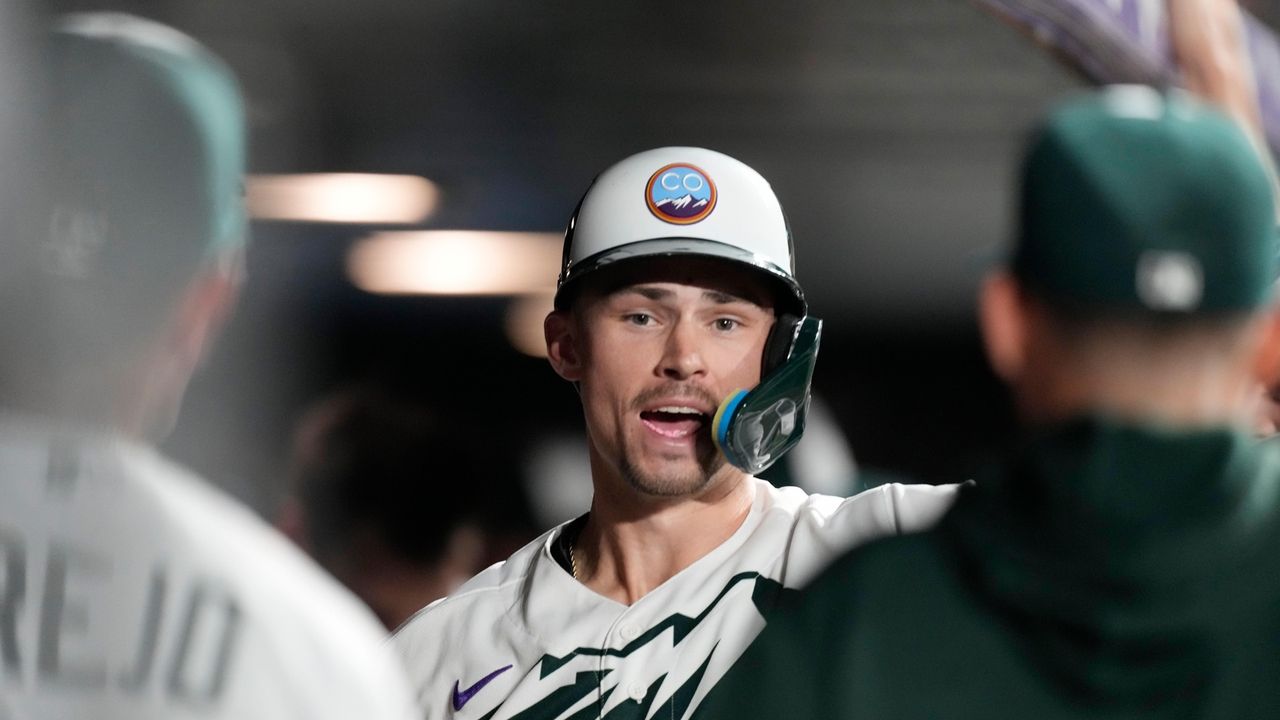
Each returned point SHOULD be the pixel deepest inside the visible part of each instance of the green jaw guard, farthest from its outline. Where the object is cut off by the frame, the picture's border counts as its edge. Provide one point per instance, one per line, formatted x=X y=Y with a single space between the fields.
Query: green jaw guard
x=754 y=429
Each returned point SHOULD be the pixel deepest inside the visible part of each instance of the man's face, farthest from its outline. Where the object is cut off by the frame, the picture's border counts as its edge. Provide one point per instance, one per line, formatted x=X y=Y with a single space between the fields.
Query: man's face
x=660 y=349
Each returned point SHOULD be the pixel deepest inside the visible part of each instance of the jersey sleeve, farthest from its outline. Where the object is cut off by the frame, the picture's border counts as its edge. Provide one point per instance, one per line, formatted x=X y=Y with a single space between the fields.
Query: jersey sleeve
x=825 y=530
x=917 y=507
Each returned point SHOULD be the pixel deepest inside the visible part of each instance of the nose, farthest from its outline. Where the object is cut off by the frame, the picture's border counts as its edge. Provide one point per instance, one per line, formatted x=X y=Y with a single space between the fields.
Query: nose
x=681 y=357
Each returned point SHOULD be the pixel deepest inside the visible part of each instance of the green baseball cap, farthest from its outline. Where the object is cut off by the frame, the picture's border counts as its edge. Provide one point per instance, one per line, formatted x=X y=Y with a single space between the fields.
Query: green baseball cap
x=146 y=152
x=1133 y=199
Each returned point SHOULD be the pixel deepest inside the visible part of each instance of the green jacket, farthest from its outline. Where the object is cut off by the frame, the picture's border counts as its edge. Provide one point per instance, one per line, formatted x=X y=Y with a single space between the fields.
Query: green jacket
x=1105 y=571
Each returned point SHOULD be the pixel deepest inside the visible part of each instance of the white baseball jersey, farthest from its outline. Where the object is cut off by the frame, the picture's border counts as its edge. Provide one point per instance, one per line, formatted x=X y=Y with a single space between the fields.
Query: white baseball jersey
x=131 y=590
x=525 y=640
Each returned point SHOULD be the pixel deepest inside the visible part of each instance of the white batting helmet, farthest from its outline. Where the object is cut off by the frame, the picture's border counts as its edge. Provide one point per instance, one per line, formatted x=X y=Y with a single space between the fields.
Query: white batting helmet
x=679 y=201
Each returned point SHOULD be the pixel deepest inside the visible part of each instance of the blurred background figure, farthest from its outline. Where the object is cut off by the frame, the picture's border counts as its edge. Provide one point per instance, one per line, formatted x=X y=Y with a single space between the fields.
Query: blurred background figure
x=128 y=587
x=19 y=76
x=387 y=495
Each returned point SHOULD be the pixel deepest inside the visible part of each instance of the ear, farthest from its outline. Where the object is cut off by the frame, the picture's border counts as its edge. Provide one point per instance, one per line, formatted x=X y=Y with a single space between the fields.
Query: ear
x=151 y=394
x=1267 y=360
x=562 y=345
x=202 y=311
x=1003 y=319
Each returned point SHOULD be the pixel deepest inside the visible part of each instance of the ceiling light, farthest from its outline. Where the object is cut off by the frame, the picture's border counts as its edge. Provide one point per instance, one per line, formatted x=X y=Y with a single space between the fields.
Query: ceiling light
x=455 y=262
x=341 y=198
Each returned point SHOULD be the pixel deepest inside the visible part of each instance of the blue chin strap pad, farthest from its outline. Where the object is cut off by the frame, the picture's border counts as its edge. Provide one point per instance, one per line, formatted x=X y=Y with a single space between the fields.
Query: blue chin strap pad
x=754 y=429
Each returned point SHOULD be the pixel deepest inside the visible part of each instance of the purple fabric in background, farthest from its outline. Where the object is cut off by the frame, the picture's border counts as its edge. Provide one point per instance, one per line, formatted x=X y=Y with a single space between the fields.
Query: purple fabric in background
x=1265 y=51
x=1127 y=41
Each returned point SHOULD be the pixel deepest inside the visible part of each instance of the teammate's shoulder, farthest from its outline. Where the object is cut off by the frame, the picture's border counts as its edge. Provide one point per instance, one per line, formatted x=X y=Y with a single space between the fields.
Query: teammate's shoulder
x=271 y=575
x=316 y=626
x=301 y=627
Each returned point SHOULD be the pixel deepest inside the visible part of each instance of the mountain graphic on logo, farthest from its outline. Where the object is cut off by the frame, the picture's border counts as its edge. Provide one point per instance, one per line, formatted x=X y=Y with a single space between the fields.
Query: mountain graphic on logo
x=683 y=206
x=680 y=194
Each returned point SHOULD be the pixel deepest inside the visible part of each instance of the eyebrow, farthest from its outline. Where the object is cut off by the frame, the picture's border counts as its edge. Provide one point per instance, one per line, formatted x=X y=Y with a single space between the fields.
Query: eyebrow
x=649 y=293
x=718 y=297
x=723 y=298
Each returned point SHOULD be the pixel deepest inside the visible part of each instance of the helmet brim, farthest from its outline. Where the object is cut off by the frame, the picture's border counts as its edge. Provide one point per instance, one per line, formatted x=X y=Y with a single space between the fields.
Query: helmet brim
x=791 y=294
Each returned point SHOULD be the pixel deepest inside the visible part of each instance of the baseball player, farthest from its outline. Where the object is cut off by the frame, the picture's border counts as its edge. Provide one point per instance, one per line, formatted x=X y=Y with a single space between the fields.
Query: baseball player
x=128 y=587
x=1120 y=563
x=680 y=323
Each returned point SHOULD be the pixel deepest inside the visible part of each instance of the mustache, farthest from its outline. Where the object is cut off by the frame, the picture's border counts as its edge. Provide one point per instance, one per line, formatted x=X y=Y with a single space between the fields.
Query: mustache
x=675 y=391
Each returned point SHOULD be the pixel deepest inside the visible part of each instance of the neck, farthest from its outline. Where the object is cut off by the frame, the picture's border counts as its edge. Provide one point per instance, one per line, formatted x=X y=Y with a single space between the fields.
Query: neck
x=135 y=397
x=1195 y=397
x=90 y=406
x=632 y=544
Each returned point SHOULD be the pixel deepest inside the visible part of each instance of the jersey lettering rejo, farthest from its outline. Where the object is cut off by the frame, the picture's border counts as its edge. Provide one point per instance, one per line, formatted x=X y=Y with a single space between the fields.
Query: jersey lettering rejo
x=525 y=640
x=130 y=589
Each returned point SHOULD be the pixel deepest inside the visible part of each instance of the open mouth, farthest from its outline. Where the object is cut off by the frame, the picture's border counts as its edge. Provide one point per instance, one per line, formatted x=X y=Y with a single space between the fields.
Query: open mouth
x=675 y=422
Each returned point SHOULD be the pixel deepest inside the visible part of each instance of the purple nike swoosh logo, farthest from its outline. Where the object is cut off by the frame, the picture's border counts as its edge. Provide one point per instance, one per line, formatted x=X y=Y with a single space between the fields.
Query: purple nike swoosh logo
x=462 y=698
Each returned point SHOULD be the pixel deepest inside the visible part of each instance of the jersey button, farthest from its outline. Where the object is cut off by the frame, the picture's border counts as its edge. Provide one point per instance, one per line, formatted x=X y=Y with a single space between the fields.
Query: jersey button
x=637 y=691
x=629 y=631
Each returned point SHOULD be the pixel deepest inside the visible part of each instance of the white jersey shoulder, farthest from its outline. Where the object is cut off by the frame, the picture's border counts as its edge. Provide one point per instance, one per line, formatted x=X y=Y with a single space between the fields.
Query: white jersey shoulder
x=523 y=638
x=131 y=589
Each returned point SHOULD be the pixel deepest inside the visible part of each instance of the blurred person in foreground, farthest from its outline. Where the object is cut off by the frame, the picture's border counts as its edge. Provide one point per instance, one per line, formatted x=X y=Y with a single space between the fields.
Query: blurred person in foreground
x=374 y=497
x=18 y=72
x=1121 y=562
x=128 y=587
x=677 y=292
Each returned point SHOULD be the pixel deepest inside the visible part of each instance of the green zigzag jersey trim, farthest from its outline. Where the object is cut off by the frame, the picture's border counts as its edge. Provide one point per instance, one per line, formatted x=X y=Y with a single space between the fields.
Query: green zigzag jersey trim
x=766 y=596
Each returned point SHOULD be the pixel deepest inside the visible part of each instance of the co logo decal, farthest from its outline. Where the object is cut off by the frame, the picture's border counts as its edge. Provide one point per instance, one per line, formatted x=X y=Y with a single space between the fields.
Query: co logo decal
x=681 y=194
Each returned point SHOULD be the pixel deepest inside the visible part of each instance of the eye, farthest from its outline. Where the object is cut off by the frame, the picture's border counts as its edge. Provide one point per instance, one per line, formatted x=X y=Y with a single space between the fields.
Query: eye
x=726 y=324
x=640 y=319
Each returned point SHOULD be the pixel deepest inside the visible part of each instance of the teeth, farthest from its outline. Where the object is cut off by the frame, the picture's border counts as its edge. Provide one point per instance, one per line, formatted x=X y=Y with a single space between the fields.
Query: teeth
x=678 y=410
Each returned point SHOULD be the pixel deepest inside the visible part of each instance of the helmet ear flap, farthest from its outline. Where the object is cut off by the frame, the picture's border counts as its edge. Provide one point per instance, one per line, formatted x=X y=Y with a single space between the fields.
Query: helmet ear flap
x=755 y=428
x=777 y=347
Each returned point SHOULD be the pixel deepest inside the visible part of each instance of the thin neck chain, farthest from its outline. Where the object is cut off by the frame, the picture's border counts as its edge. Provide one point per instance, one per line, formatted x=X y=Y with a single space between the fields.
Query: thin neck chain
x=573 y=559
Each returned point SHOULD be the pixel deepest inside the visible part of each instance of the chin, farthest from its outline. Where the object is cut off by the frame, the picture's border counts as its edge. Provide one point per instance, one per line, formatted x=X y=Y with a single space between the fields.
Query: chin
x=666 y=487
x=670 y=481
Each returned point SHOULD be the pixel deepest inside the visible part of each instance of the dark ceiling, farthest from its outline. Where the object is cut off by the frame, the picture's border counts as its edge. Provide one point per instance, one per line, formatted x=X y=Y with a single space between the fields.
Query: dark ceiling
x=887 y=128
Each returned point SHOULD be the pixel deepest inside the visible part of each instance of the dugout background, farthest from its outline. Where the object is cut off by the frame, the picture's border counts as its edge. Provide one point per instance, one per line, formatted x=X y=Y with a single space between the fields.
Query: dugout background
x=888 y=130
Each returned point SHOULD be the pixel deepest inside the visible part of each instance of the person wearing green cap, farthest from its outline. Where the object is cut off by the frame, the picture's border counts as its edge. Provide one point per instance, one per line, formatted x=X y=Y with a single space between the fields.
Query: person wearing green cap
x=128 y=587
x=1120 y=563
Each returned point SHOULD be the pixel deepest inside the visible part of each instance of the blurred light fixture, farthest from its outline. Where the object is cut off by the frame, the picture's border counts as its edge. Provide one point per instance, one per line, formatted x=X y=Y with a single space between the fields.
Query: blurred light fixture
x=341 y=198
x=524 y=322
x=455 y=262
